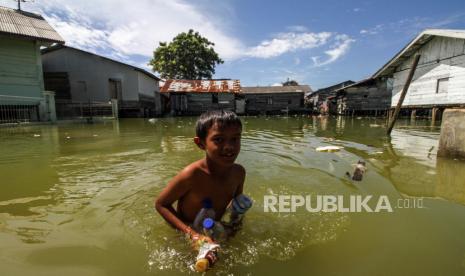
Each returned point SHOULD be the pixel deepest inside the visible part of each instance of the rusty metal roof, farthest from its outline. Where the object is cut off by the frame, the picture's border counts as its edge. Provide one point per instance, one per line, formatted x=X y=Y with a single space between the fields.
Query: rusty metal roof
x=28 y=25
x=202 y=86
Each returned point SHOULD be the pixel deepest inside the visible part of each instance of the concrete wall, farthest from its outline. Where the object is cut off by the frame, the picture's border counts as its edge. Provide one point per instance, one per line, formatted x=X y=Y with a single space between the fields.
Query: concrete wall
x=442 y=57
x=20 y=68
x=147 y=85
x=89 y=75
x=452 y=140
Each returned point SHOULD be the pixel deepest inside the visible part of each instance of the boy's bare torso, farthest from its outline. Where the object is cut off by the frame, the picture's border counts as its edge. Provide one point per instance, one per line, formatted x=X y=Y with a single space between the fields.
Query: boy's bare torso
x=221 y=189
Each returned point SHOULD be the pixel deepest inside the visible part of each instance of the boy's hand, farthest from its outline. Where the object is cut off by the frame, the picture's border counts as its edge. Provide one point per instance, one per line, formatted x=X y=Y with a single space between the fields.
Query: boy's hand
x=196 y=238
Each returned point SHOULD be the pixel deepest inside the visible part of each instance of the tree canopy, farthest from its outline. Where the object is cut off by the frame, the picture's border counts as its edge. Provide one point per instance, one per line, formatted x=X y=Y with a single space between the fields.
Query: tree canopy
x=290 y=83
x=188 y=56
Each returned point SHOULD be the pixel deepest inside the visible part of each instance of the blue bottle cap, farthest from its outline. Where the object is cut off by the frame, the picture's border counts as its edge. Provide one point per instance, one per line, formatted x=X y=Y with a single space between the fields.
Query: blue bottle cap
x=208 y=223
x=207 y=203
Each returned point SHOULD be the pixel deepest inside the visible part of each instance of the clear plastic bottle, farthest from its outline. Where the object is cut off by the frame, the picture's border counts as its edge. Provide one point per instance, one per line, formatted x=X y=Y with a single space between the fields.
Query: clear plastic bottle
x=236 y=210
x=214 y=230
x=206 y=212
x=208 y=255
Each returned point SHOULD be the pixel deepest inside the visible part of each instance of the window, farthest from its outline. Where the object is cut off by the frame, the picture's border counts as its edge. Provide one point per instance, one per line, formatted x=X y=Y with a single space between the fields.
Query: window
x=442 y=85
x=269 y=101
x=215 y=98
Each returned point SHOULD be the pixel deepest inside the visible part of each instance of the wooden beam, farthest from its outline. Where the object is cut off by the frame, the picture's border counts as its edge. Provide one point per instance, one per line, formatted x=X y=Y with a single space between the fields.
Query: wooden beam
x=403 y=93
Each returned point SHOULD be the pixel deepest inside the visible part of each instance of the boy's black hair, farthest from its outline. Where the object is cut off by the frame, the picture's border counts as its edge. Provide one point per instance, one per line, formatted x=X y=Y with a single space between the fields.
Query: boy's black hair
x=223 y=118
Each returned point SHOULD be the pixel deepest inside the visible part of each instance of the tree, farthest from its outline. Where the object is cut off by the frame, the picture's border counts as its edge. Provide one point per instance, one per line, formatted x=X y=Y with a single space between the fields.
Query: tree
x=188 y=56
x=290 y=83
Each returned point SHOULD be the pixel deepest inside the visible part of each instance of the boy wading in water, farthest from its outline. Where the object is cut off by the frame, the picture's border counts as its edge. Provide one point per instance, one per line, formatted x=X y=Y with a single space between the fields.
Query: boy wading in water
x=215 y=177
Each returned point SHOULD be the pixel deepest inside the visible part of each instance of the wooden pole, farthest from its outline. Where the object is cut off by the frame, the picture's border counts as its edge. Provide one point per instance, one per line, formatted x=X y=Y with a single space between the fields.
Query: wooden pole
x=433 y=115
x=403 y=93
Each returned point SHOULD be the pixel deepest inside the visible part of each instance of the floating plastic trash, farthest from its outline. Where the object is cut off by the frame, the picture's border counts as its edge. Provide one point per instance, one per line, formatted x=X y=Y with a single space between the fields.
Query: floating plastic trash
x=329 y=148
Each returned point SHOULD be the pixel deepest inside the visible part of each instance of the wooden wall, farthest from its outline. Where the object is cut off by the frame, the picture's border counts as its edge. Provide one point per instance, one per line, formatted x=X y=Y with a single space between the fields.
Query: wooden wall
x=369 y=97
x=273 y=103
x=442 y=57
x=197 y=103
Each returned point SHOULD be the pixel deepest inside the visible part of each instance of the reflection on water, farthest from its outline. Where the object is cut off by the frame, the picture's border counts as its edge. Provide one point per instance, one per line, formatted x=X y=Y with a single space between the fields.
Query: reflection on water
x=79 y=199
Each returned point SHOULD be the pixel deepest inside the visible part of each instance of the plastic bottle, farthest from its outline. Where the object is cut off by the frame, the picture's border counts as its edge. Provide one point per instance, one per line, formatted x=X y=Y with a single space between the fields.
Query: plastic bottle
x=236 y=210
x=208 y=255
x=206 y=212
x=214 y=230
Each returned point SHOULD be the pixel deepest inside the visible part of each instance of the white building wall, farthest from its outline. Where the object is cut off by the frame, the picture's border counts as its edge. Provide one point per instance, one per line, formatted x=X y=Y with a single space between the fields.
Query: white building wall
x=442 y=57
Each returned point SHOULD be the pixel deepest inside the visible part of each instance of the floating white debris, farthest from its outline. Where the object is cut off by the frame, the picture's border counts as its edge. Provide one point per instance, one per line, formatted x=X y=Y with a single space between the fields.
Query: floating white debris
x=329 y=148
x=95 y=135
x=36 y=135
x=375 y=125
x=152 y=120
x=67 y=137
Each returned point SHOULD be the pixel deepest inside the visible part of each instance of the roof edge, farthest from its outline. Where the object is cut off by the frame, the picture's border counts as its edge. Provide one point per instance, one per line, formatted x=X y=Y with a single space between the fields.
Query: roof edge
x=62 y=46
x=455 y=33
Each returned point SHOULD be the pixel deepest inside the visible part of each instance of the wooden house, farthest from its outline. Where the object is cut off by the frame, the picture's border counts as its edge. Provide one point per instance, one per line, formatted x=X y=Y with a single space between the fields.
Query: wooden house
x=193 y=97
x=439 y=79
x=79 y=76
x=366 y=97
x=22 y=93
x=317 y=100
x=275 y=99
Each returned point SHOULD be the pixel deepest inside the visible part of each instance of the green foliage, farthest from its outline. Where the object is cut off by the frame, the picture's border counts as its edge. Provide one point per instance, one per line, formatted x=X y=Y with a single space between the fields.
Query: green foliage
x=290 y=83
x=188 y=56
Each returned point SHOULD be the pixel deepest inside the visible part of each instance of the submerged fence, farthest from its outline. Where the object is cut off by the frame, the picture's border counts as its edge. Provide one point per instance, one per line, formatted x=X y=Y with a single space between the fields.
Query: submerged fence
x=74 y=110
x=17 y=109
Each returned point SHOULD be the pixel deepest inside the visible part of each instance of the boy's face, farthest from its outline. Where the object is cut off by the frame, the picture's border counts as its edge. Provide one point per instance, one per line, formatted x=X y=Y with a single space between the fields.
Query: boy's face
x=222 y=145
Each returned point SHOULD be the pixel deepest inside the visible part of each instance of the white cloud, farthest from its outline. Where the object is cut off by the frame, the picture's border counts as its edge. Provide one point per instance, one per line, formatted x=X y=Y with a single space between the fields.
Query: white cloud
x=356 y=9
x=130 y=27
x=119 y=29
x=340 y=47
x=288 y=42
x=277 y=84
x=372 y=31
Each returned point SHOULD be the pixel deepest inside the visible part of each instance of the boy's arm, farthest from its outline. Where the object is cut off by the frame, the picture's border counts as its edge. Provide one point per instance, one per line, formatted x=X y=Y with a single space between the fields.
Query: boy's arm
x=241 y=178
x=175 y=189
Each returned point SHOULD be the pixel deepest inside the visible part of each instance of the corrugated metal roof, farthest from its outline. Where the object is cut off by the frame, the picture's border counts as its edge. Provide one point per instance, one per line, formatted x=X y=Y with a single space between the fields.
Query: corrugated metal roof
x=201 y=86
x=276 y=89
x=25 y=24
x=411 y=48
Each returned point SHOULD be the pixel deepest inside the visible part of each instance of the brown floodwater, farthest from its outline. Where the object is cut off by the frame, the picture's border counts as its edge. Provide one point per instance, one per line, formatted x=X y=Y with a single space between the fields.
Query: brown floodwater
x=77 y=199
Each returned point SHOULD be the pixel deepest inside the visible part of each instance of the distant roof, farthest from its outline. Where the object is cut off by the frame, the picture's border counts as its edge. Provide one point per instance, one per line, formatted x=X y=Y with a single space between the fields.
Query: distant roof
x=411 y=48
x=334 y=86
x=58 y=47
x=199 y=86
x=27 y=25
x=355 y=84
x=276 y=89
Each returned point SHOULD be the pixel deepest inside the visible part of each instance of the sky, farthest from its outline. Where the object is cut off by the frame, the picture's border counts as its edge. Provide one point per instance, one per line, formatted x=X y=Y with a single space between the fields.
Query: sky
x=319 y=43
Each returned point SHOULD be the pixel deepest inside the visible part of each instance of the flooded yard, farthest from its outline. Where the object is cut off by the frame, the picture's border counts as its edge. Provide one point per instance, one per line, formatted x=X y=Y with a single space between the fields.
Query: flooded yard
x=77 y=199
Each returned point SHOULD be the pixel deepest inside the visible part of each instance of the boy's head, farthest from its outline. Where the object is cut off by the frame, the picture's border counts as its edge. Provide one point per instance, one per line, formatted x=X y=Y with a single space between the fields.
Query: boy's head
x=220 y=118
x=218 y=132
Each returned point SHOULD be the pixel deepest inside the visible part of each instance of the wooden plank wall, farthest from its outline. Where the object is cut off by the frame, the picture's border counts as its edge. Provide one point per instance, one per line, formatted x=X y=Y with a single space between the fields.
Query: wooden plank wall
x=442 y=57
x=273 y=103
x=197 y=103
